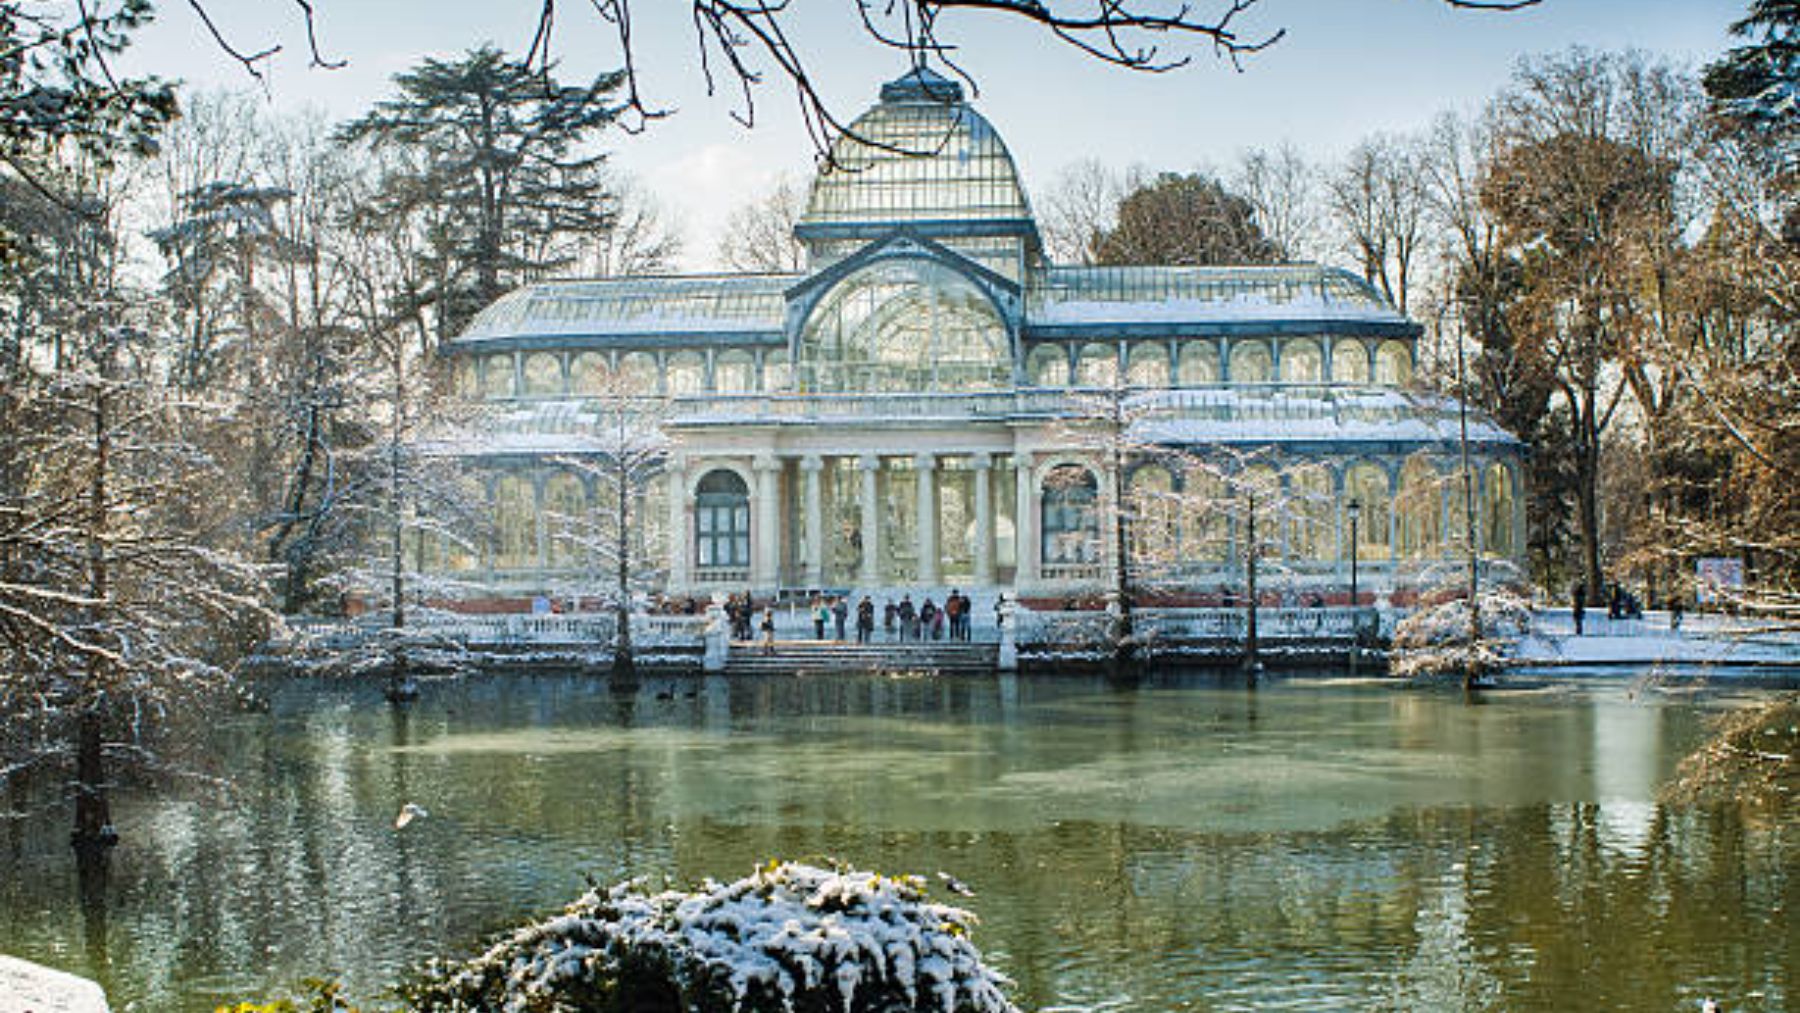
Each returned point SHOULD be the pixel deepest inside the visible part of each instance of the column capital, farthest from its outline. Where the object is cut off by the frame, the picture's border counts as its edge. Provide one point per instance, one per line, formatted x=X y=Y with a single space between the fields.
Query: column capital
x=981 y=460
x=812 y=462
x=766 y=462
x=868 y=462
x=925 y=460
x=1022 y=460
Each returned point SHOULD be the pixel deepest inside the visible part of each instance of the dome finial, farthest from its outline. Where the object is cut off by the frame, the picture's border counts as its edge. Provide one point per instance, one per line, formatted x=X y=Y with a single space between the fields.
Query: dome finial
x=922 y=84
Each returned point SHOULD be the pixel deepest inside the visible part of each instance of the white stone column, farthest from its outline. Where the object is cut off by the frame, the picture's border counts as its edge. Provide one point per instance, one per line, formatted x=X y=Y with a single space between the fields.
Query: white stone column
x=814 y=546
x=984 y=518
x=765 y=535
x=925 y=467
x=679 y=538
x=869 y=572
x=1025 y=522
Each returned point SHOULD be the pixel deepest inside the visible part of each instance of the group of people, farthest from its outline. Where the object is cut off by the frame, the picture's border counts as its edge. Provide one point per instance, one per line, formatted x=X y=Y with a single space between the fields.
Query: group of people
x=832 y=614
x=836 y=611
x=929 y=620
x=1620 y=604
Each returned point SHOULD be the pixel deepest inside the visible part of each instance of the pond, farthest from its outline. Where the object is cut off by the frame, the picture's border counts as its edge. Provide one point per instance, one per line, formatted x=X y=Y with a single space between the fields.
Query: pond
x=1185 y=845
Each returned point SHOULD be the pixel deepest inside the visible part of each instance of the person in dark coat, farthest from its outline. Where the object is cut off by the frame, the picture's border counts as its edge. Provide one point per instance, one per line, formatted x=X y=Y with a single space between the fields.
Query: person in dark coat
x=865 y=620
x=1578 y=606
x=840 y=611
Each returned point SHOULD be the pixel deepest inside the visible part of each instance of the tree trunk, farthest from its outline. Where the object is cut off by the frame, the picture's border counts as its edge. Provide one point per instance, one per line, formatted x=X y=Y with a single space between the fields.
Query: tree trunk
x=1587 y=494
x=624 y=665
x=93 y=815
x=1251 y=662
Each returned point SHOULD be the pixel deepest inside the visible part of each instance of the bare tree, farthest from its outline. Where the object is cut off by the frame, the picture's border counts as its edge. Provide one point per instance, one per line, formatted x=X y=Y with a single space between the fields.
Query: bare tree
x=643 y=238
x=759 y=235
x=623 y=451
x=1080 y=206
x=1377 y=198
x=1283 y=188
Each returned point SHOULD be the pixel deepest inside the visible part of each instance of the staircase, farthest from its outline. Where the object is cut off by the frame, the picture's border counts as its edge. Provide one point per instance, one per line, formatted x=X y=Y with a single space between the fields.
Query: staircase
x=794 y=657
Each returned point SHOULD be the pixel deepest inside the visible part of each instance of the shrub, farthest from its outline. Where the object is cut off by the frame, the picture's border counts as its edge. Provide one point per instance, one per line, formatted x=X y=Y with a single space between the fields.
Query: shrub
x=789 y=937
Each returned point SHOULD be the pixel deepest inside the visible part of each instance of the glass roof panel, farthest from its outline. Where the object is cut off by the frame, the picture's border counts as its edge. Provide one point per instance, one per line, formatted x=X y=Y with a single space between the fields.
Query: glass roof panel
x=1076 y=295
x=921 y=154
x=635 y=306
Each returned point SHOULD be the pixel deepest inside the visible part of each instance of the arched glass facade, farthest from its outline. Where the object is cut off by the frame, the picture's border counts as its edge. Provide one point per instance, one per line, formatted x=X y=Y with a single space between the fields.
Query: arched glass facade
x=904 y=325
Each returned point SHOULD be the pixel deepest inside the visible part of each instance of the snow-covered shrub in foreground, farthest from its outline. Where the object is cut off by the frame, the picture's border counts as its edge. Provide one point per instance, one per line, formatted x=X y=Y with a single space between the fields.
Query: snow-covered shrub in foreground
x=1435 y=640
x=791 y=938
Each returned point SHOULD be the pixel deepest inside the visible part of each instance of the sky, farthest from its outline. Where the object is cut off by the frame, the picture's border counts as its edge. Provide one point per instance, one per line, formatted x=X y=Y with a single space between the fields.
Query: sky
x=1345 y=69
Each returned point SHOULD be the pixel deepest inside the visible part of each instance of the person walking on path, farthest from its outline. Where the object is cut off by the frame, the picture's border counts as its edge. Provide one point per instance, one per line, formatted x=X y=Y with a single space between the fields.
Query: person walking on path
x=840 y=611
x=1578 y=606
x=768 y=630
x=819 y=615
x=865 y=620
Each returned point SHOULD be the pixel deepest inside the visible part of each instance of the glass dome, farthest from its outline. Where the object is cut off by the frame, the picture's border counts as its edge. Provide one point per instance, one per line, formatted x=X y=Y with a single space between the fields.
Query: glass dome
x=904 y=325
x=920 y=155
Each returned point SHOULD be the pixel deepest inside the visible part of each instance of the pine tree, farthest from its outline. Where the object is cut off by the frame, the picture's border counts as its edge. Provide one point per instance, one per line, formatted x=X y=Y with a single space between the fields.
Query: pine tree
x=491 y=163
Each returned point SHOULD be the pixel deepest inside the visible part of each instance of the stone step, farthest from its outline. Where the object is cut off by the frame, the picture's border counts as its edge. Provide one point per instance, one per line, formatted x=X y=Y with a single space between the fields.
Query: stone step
x=813 y=656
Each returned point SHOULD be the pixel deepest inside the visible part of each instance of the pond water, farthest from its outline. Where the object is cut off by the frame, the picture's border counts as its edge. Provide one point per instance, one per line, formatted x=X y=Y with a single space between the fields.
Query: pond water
x=1186 y=845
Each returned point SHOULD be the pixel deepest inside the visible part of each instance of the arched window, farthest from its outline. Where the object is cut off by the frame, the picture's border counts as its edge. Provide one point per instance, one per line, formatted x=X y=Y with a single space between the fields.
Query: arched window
x=1421 y=509
x=721 y=520
x=1207 y=533
x=1049 y=366
x=588 y=373
x=1098 y=367
x=1148 y=365
x=1367 y=485
x=684 y=373
x=497 y=376
x=1071 y=521
x=637 y=372
x=515 y=517
x=734 y=372
x=466 y=383
x=1497 y=499
x=1349 y=361
x=1259 y=490
x=1155 y=513
x=1393 y=364
x=565 y=509
x=905 y=325
x=1251 y=362
x=543 y=375
x=1313 y=510
x=1199 y=363
x=1302 y=361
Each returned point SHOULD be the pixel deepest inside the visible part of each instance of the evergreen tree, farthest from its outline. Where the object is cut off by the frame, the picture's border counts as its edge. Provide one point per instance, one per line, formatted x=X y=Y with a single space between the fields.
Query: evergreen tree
x=1189 y=220
x=492 y=164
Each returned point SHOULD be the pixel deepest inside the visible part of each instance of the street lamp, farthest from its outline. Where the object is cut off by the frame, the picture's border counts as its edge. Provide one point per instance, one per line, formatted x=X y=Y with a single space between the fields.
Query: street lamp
x=1354 y=509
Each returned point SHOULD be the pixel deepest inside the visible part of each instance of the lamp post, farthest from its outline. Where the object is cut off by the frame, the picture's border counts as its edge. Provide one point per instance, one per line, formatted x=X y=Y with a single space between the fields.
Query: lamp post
x=1354 y=510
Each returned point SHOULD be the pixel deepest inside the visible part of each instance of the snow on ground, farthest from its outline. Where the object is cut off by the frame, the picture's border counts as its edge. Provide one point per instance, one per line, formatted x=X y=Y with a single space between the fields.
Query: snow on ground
x=1701 y=640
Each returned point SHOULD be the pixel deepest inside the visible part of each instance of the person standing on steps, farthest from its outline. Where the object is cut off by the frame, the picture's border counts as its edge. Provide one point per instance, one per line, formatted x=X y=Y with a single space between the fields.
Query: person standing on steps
x=888 y=615
x=909 y=619
x=865 y=620
x=768 y=630
x=819 y=615
x=840 y=611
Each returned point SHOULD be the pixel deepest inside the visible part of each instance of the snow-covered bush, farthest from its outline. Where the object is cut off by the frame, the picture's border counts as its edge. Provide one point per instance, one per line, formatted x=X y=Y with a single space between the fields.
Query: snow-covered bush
x=1435 y=639
x=791 y=938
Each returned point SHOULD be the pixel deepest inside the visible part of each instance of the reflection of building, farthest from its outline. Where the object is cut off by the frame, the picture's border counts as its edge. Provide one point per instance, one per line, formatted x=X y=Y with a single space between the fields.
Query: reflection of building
x=891 y=416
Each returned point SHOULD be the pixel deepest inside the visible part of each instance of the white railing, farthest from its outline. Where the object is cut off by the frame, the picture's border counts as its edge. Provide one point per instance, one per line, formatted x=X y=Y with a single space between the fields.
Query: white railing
x=1200 y=624
x=588 y=629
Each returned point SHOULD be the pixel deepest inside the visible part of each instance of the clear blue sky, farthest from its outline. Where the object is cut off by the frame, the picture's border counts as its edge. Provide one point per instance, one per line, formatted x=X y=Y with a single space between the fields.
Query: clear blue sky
x=1346 y=68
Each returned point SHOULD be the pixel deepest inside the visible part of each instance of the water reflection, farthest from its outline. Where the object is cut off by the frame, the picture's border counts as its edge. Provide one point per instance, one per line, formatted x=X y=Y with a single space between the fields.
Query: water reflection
x=1182 y=846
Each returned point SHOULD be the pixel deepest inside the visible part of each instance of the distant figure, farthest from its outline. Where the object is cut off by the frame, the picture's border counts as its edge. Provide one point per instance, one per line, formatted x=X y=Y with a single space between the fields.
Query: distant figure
x=819 y=614
x=888 y=614
x=840 y=611
x=1676 y=608
x=768 y=630
x=865 y=620
x=1578 y=605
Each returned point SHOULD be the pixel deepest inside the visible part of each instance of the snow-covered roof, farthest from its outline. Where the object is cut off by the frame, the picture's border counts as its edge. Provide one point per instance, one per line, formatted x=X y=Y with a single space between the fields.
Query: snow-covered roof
x=720 y=305
x=1279 y=414
x=542 y=428
x=1199 y=297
